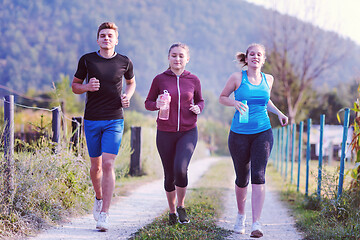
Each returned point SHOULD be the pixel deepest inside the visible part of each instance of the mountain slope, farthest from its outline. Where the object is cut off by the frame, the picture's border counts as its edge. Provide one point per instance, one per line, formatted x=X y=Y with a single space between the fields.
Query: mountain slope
x=43 y=39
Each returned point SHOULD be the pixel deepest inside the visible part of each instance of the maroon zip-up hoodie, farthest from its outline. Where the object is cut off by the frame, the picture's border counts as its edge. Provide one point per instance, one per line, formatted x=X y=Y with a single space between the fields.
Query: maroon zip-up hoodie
x=188 y=86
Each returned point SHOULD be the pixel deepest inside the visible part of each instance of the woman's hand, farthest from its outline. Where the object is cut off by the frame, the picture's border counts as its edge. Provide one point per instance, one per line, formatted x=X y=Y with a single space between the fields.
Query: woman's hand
x=195 y=109
x=283 y=119
x=160 y=102
x=240 y=106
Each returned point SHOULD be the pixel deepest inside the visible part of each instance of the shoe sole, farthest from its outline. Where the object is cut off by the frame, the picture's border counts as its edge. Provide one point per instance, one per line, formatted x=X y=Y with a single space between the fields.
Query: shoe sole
x=101 y=229
x=256 y=234
x=239 y=232
x=184 y=222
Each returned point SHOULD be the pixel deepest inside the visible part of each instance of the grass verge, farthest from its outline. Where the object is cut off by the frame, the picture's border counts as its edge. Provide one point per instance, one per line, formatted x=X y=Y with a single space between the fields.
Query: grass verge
x=321 y=218
x=203 y=206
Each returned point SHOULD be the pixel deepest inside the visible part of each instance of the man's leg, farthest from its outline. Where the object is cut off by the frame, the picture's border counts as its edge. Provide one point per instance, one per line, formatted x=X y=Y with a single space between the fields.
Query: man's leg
x=96 y=175
x=108 y=180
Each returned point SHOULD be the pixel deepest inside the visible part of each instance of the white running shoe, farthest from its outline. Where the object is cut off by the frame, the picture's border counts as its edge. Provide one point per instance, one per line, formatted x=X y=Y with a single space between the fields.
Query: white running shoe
x=239 y=226
x=256 y=231
x=103 y=222
x=97 y=208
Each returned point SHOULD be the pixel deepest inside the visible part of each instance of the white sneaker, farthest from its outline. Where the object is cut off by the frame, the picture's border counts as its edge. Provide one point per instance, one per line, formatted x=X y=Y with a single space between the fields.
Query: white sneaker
x=239 y=226
x=103 y=222
x=97 y=208
x=256 y=231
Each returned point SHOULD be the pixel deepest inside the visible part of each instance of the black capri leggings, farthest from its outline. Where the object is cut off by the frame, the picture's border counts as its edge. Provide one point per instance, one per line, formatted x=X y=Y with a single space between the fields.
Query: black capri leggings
x=254 y=147
x=175 y=150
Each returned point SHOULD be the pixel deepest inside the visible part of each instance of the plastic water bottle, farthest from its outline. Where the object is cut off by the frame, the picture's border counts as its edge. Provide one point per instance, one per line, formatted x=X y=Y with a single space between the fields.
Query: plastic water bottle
x=164 y=110
x=244 y=115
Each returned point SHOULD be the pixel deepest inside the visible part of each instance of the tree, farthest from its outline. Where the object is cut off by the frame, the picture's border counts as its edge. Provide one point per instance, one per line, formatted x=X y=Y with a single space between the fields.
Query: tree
x=299 y=54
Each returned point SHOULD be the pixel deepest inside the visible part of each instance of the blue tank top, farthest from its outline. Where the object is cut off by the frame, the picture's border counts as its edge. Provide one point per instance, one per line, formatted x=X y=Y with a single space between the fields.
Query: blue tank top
x=257 y=97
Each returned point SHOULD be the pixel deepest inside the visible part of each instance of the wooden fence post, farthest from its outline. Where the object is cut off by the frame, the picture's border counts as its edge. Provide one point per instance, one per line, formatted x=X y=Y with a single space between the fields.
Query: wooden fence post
x=76 y=126
x=56 y=126
x=9 y=146
x=135 y=161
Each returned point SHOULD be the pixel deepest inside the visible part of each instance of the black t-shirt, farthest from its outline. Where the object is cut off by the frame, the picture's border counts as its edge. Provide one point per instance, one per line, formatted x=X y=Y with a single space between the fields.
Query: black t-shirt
x=104 y=104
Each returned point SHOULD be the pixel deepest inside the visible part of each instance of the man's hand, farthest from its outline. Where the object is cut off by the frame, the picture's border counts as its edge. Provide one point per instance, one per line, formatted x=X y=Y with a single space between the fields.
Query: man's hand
x=93 y=85
x=125 y=101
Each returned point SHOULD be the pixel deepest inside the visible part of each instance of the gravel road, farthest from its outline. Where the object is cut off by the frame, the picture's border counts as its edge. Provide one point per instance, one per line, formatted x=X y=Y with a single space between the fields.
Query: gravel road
x=275 y=218
x=128 y=214
x=143 y=204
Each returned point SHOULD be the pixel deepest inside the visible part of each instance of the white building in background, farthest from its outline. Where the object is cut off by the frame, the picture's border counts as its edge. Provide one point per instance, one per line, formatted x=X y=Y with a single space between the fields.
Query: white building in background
x=332 y=140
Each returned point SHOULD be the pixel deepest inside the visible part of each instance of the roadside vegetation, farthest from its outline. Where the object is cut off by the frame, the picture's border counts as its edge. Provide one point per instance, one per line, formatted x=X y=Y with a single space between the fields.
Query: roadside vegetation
x=49 y=188
x=326 y=217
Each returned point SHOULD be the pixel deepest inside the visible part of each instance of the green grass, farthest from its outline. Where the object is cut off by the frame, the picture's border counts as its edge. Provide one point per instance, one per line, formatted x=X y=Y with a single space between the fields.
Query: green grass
x=325 y=217
x=48 y=188
x=203 y=204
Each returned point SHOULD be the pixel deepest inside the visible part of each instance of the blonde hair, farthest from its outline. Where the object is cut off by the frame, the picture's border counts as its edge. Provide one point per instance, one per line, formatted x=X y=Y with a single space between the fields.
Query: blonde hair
x=240 y=56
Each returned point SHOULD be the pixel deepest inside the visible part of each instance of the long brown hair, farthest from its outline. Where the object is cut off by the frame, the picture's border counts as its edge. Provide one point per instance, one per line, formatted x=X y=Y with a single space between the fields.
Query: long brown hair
x=182 y=45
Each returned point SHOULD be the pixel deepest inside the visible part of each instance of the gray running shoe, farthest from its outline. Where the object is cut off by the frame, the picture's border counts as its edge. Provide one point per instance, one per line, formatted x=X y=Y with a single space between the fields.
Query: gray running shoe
x=183 y=218
x=172 y=218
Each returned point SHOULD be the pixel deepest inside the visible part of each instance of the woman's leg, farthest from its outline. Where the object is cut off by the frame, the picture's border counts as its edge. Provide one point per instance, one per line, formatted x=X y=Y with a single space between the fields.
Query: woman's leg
x=257 y=200
x=239 y=147
x=185 y=147
x=171 y=198
x=260 y=152
x=241 y=199
x=166 y=145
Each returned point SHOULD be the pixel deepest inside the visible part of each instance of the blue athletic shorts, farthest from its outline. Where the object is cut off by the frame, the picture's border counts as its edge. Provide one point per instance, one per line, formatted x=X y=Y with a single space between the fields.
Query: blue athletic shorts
x=103 y=136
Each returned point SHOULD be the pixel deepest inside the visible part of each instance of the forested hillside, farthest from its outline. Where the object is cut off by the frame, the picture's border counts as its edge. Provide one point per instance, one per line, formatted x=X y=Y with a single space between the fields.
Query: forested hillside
x=43 y=39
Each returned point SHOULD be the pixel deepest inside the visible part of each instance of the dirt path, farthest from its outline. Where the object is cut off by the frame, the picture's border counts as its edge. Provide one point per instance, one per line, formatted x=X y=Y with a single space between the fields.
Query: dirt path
x=143 y=204
x=128 y=214
x=276 y=220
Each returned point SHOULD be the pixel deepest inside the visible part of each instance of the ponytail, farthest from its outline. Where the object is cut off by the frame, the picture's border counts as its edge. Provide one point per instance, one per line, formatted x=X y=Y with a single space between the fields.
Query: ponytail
x=240 y=58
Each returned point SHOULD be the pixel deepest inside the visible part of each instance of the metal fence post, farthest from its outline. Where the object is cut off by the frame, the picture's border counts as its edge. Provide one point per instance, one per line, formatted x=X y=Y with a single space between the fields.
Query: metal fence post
x=322 y=123
x=287 y=150
x=343 y=149
x=292 y=151
x=300 y=154
x=308 y=146
x=282 y=151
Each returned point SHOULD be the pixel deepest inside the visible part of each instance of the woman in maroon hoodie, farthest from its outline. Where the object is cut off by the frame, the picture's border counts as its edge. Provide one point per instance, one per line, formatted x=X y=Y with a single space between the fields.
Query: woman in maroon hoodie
x=177 y=136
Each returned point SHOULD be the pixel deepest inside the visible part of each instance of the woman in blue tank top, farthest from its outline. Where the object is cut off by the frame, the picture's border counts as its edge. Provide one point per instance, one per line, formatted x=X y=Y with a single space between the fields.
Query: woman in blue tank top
x=250 y=142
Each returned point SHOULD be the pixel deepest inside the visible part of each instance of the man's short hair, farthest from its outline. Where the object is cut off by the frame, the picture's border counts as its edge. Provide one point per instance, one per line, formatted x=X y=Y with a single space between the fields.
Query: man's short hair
x=108 y=25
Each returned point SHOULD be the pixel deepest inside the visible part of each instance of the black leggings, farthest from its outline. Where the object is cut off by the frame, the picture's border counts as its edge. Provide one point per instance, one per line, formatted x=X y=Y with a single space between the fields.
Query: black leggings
x=254 y=147
x=175 y=150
